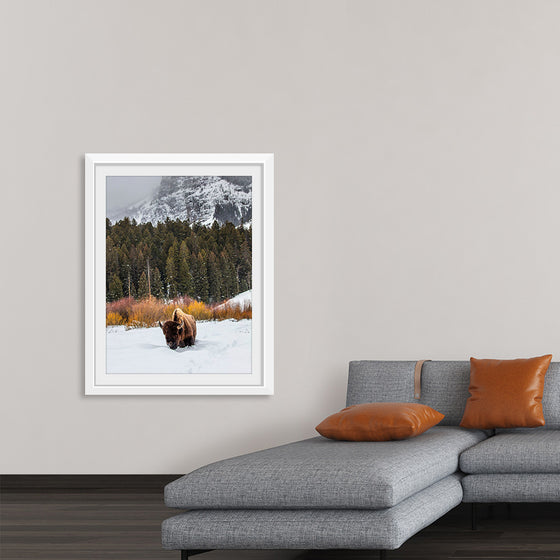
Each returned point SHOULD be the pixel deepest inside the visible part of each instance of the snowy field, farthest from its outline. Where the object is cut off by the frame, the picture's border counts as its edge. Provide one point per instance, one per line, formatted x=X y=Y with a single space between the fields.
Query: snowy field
x=220 y=347
x=240 y=300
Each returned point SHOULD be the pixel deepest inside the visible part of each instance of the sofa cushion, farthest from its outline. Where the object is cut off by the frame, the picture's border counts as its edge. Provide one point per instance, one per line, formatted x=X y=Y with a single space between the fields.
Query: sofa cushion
x=379 y=422
x=491 y=488
x=506 y=393
x=523 y=451
x=445 y=387
x=312 y=529
x=321 y=473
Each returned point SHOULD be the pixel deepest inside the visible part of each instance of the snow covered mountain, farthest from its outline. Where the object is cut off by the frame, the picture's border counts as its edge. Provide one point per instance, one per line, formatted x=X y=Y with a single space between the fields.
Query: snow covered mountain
x=196 y=199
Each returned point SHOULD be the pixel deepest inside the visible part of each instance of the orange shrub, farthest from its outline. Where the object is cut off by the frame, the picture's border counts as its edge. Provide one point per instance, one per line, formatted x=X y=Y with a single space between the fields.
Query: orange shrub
x=114 y=318
x=226 y=311
x=147 y=312
x=123 y=307
x=199 y=310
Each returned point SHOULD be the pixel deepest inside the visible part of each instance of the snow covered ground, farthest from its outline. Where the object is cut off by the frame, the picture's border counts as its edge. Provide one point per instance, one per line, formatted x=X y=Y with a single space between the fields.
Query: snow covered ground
x=240 y=300
x=221 y=347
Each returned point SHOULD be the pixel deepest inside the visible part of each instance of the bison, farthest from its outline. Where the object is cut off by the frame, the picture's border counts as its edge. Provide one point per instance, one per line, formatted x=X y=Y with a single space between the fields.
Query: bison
x=180 y=331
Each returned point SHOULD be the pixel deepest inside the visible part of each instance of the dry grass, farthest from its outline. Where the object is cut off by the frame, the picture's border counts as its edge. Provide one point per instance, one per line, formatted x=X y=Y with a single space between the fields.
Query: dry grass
x=226 y=311
x=147 y=312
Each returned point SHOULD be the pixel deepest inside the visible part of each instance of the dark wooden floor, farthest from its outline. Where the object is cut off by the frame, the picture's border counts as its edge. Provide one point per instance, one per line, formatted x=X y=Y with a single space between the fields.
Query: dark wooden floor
x=89 y=524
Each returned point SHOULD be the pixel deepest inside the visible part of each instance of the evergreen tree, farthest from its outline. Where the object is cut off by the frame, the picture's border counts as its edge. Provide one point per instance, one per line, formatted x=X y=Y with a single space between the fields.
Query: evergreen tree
x=208 y=263
x=135 y=267
x=129 y=290
x=115 y=290
x=124 y=266
x=157 y=284
x=184 y=277
x=244 y=267
x=143 y=292
x=111 y=260
x=201 y=279
x=171 y=271
x=230 y=286
x=214 y=279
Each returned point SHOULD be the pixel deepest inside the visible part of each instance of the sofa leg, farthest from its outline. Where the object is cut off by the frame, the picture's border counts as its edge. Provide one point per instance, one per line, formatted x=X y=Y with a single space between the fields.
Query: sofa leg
x=186 y=554
x=473 y=517
x=382 y=555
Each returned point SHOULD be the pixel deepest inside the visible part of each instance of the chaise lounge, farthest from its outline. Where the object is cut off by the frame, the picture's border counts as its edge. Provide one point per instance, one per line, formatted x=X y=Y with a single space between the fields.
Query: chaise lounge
x=325 y=494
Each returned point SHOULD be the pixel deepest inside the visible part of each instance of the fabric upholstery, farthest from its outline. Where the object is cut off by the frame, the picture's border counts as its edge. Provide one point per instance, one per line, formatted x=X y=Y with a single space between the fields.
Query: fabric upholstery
x=506 y=393
x=445 y=387
x=379 y=422
x=511 y=488
x=551 y=396
x=325 y=474
x=312 y=529
x=531 y=451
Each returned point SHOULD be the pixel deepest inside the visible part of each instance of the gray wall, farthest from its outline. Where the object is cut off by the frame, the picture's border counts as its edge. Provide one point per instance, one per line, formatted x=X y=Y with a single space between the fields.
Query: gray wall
x=417 y=196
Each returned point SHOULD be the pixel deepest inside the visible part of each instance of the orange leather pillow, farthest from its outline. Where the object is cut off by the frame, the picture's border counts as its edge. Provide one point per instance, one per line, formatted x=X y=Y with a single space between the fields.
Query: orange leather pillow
x=383 y=421
x=506 y=393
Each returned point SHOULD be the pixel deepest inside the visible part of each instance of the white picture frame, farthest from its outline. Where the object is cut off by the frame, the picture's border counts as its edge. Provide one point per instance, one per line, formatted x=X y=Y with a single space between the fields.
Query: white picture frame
x=260 y=381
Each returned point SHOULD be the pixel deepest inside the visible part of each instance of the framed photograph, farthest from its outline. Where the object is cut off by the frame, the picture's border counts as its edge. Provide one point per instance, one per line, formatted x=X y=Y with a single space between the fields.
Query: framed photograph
x=179 y=274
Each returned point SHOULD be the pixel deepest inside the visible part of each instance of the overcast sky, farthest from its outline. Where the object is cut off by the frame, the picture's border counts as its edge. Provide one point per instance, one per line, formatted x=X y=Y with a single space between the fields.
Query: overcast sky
x=125 y=191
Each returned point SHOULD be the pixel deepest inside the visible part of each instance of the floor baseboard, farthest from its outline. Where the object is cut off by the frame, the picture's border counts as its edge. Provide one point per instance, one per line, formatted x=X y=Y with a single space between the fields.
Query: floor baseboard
x=120 y=482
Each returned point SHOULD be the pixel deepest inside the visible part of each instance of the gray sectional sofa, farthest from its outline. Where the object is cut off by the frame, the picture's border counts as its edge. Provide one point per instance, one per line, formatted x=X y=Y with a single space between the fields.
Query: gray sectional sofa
x=325 y=494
